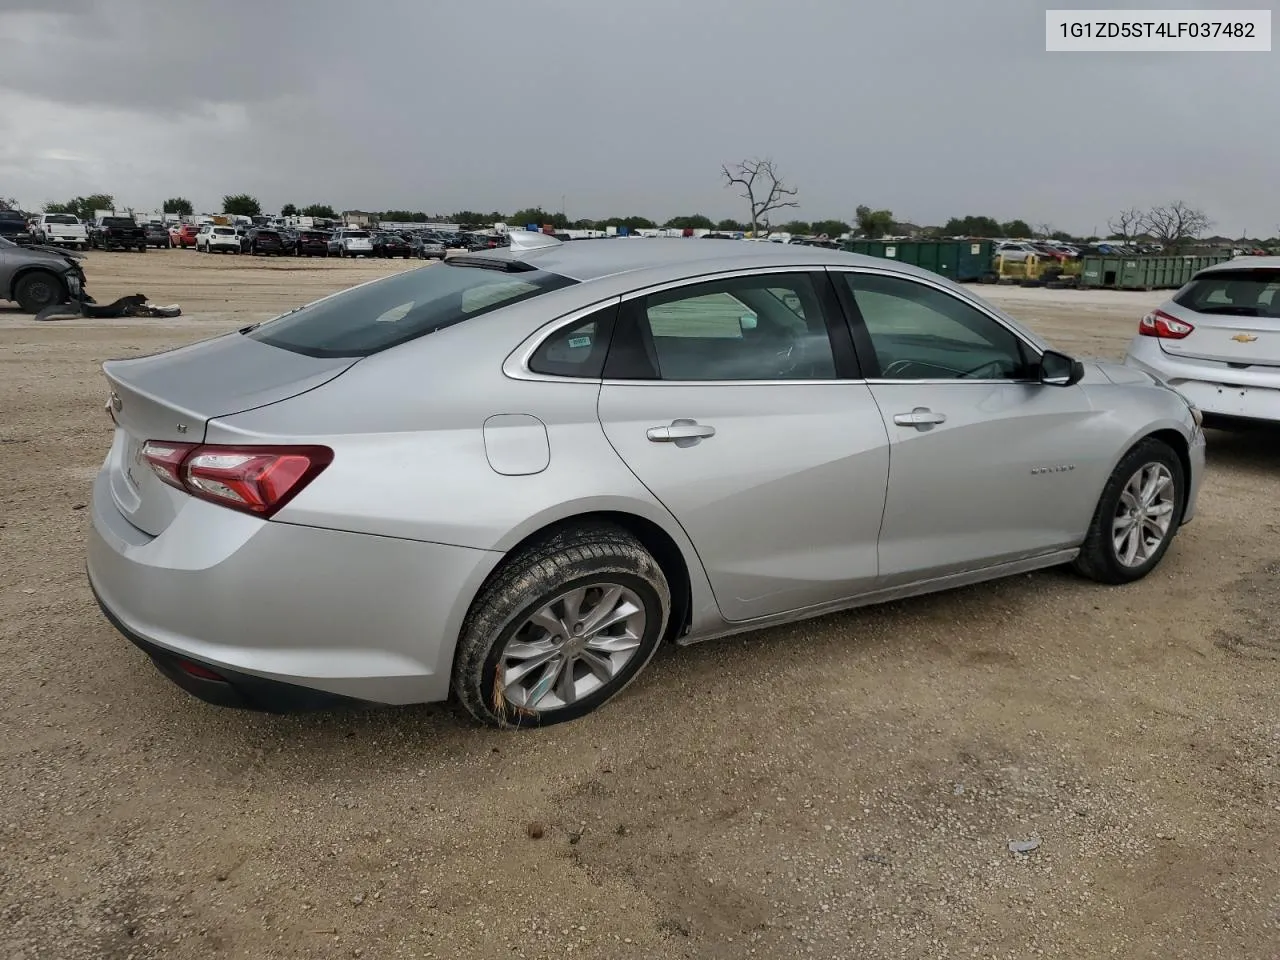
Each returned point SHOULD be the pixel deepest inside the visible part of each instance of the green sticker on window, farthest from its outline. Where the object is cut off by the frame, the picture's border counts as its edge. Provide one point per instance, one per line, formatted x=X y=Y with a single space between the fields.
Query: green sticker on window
x=578 y=342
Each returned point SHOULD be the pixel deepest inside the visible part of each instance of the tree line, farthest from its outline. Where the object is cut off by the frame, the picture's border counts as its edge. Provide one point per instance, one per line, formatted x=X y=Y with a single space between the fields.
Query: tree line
x=760 y=184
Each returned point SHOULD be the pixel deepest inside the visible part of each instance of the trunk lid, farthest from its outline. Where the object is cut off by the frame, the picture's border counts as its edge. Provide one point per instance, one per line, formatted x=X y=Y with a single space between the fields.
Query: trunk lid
x=1236 y=315
x=172 y=396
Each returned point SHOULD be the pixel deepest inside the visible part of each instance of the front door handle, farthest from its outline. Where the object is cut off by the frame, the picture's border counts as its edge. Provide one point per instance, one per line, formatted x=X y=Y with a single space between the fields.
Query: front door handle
x=921 y=418
x=681 y=432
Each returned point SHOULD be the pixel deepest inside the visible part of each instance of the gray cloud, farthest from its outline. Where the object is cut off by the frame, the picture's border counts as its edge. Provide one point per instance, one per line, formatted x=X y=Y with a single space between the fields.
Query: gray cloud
x=930 y=107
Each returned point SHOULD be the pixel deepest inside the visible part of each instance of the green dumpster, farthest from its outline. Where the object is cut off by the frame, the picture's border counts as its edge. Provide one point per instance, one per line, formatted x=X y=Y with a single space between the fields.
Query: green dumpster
x=961 y=260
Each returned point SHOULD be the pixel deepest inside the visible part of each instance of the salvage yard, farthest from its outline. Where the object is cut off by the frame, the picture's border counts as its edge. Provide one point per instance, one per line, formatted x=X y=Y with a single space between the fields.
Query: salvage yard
x=848 y=787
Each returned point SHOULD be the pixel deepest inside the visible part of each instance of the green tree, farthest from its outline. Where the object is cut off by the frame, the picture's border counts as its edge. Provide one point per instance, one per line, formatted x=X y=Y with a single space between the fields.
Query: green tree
x=322 y=210
x=831 y=228
x=693 y=222
x=971 y=226
x=288 y=210
x=1016 y=228
x=537 y=215
x=83 y=207
x=873 y=223
x=730 y=226
x=241 y=205
x=800 y=227
x=179 y=205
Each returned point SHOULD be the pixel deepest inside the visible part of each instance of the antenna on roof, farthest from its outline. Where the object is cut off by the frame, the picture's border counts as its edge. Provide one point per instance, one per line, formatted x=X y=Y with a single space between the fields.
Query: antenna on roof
x=528 y=240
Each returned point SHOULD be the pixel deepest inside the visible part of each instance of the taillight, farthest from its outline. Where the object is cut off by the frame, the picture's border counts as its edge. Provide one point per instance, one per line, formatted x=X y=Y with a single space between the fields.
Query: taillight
x=1157 y=323
x=253 y=479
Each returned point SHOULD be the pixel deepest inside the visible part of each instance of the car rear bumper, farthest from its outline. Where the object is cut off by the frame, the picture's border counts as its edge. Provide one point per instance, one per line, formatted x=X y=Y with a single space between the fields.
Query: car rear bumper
x=287 y=616
x=1218 y=390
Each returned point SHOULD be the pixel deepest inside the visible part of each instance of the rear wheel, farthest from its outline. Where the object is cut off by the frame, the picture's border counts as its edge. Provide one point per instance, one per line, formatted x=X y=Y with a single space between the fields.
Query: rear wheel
x=561 y=629
x=1137 y=517
x=37 y=290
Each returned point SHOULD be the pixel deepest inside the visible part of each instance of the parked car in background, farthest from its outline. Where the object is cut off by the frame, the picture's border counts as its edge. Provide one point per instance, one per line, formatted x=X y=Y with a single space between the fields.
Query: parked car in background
x=186 y=235
x=1217 y=341
x=221 y=239
x=391 y=245
x=14 y=227
x=427 y=247
x=722 y=459
x=346 y=242
x=117 y=233
x=175 y=233
x=264 y=240
x=38 y=277
x=60 y=229
x=312 y=243
x=1016 y=251
x=158 y=235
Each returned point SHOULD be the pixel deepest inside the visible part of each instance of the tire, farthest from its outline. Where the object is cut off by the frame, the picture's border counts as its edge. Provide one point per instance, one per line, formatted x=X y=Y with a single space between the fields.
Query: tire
x=38 y=289
x=1100 y=556
x=142 y=249
x=587 y=558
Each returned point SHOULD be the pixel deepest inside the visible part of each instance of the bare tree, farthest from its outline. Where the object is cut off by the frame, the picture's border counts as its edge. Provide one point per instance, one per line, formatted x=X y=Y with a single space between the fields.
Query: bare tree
x=1174 y=224
x=1126 y=223
x=1042 y=231
x=762 y=187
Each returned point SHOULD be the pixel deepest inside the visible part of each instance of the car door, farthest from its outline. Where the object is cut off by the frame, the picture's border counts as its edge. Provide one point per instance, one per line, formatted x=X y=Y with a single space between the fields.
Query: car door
x=987 y=464
x=738 y=407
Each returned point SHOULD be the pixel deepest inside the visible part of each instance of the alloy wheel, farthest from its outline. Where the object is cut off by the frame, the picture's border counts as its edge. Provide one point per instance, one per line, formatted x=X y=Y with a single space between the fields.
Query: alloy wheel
x=571 y=647
x=1143 y=515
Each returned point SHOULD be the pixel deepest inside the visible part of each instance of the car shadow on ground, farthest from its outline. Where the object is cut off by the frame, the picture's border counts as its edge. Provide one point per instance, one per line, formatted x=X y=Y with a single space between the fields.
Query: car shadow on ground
x=1251 y=447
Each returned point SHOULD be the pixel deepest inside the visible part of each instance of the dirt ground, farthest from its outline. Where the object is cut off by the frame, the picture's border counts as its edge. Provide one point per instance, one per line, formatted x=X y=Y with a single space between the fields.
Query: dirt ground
x=843 y=788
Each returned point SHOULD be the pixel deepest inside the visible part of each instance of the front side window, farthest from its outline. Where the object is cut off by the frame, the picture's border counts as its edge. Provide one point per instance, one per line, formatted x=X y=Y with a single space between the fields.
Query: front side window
x=747 y=328
x=373 y=317
x=919 y=332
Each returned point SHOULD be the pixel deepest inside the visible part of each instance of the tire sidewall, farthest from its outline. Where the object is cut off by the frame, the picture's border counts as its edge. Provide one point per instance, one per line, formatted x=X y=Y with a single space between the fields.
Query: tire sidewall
x=616 y=571
x=51 y=281
x=1141 y=456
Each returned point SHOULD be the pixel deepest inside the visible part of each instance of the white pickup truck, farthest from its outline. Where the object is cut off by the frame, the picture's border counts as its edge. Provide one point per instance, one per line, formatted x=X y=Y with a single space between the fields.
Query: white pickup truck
x=60 y=229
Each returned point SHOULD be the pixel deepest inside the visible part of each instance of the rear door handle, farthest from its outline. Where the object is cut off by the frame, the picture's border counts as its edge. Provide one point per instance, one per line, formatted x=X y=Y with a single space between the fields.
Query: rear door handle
x=920 y=417
x=690 y=431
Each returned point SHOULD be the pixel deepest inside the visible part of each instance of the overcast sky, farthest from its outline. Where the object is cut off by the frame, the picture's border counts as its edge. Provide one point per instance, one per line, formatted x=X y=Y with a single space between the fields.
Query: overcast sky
x=931 y=108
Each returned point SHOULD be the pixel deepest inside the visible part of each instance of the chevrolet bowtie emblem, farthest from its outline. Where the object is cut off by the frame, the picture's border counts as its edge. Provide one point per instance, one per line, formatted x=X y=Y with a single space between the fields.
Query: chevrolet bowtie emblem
x=1243 y=338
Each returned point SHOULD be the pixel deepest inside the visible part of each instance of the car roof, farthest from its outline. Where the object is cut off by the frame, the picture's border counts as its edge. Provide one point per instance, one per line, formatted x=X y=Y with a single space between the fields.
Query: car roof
x=1243 y=263
x=586 y=260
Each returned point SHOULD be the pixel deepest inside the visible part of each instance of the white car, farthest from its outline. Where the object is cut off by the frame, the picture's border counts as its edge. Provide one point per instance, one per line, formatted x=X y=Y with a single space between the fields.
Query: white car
x=60 y=229
x=1217 y=340
x=213 y=237
x=351 y=243
x=1016 y=251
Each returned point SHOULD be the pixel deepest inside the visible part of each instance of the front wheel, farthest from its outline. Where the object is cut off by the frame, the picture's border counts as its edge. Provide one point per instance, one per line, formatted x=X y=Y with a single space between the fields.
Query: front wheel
x=37 y=290
x=561 y=629
x=1137 y=516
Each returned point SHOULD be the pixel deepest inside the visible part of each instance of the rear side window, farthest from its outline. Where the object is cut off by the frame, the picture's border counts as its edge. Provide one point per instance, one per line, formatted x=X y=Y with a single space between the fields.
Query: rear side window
x=577 y=350
x=1235 y=293
x=379 y=315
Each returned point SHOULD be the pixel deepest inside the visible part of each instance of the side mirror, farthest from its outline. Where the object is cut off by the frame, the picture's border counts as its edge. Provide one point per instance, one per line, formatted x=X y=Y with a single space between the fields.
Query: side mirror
x=1059 y=370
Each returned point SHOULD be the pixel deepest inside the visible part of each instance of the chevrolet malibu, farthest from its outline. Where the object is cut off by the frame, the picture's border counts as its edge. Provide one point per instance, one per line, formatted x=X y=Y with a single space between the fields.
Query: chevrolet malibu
x=507 y=479
x=1217 y=341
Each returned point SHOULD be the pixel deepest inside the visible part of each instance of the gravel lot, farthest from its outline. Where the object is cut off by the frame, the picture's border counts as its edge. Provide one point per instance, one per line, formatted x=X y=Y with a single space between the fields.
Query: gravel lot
x=843 y=788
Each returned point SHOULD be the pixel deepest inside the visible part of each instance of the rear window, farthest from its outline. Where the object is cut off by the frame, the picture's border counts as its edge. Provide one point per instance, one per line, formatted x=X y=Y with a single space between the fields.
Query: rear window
x=60 y=218
x=379 y=315
x=1238 y=293
x=358 y=234
x=223 y=231
x=118 y=222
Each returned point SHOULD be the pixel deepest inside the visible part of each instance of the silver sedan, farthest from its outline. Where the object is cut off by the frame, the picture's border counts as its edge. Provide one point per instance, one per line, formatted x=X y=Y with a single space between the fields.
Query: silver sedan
x=507 y=479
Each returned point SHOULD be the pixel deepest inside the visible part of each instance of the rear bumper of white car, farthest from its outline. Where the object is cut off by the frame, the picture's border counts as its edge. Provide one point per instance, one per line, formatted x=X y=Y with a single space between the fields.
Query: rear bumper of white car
x=274 y=616
x=1217 y=389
